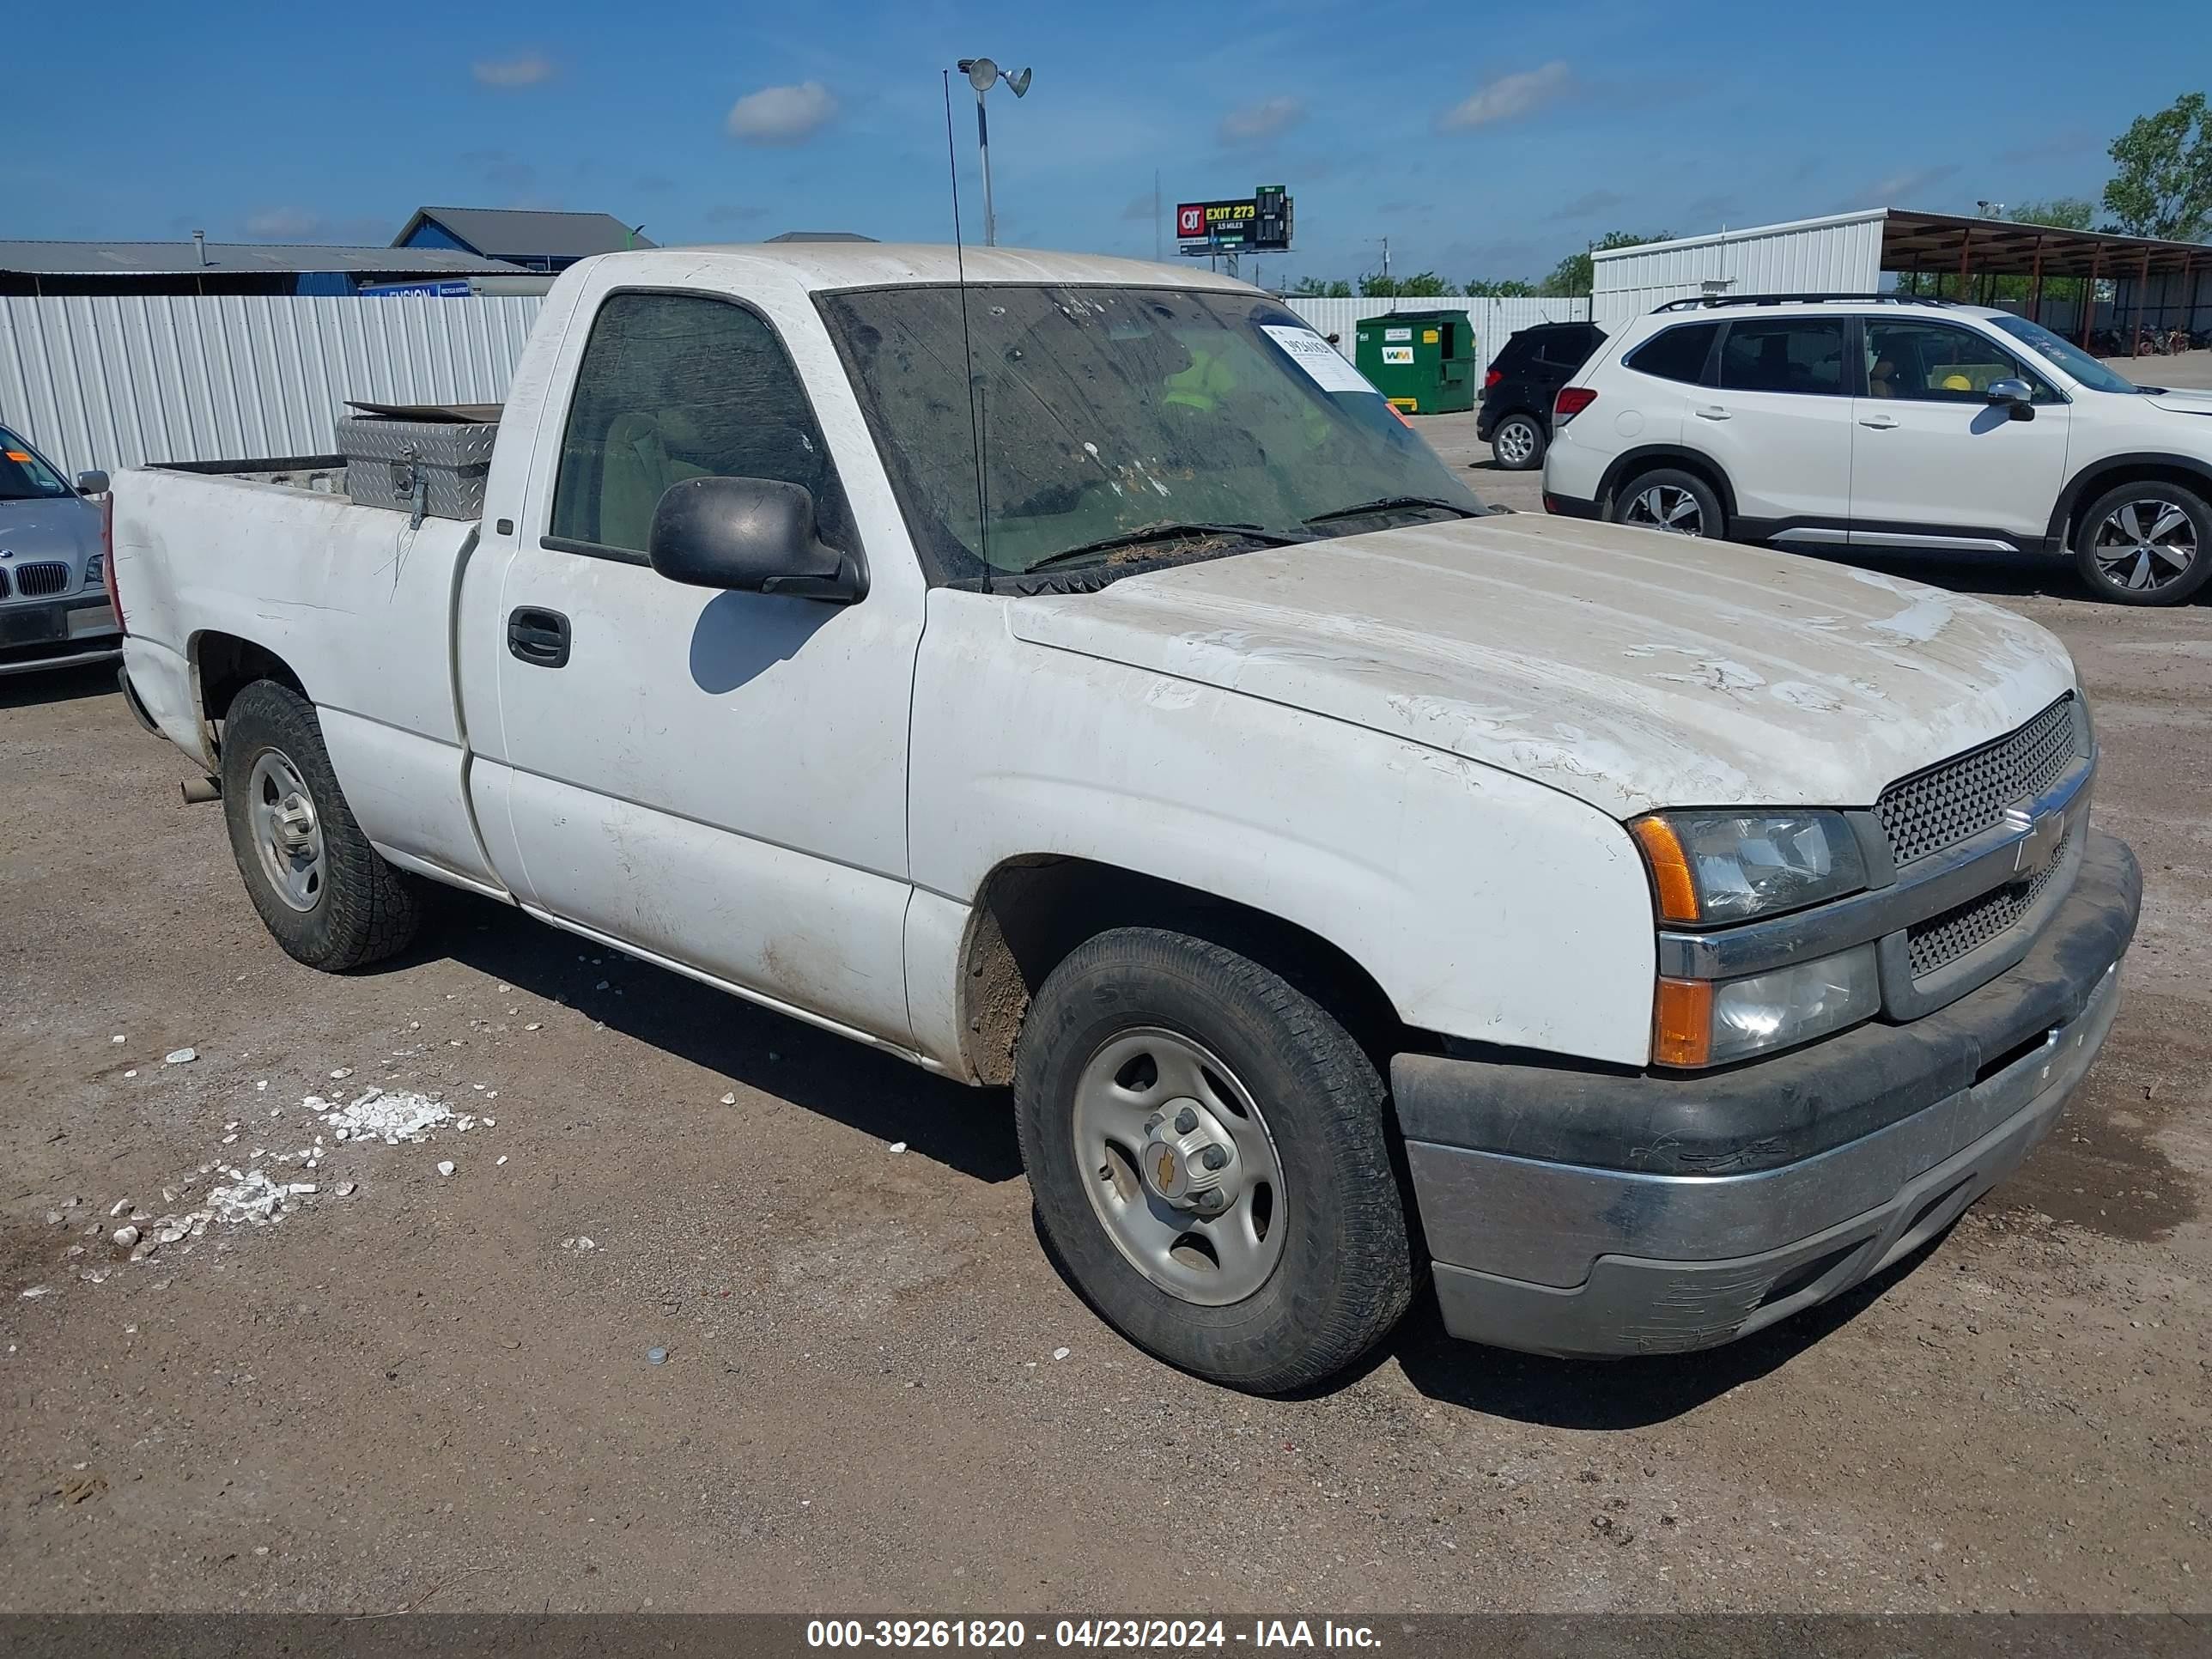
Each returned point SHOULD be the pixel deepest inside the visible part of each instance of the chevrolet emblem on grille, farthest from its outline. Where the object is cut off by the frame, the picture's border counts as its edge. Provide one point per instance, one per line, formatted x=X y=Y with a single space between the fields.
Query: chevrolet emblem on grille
x=2038 y=849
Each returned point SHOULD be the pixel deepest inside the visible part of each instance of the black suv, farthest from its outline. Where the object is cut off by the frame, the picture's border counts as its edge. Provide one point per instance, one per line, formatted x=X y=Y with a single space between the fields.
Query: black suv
x=1515 y=416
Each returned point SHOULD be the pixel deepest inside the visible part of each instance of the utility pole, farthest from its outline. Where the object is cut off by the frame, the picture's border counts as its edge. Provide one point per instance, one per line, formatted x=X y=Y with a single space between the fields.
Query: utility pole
x=982 y=75
x=1156 y=216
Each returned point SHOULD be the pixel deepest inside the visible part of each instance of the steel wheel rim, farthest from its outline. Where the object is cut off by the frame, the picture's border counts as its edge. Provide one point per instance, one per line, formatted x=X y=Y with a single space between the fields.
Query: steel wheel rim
x=1666 y=507
x=2145 y=544
x=1209 y=1235
x=1516 y=441
x=287 y=833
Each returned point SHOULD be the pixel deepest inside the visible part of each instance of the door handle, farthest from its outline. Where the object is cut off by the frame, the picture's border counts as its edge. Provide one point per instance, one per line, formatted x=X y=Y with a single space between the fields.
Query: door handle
x=538 y=637
x=1712 y=412
x=1882 y=423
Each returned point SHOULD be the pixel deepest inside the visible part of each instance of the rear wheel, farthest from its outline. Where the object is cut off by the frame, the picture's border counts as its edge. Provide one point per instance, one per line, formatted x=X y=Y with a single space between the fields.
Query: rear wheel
x=1518 y=443
x=1681 y=503
x=1206 y=1147
x=2148 y=542
x=323 y=891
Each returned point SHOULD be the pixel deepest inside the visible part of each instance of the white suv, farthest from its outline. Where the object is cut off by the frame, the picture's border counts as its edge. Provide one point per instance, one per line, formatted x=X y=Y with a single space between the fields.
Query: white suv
x=1877 y=421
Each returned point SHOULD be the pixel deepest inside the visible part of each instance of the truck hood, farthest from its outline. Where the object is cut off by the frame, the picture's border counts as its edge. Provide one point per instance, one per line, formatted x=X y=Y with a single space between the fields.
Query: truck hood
x=1626 y=667
x=48 y=527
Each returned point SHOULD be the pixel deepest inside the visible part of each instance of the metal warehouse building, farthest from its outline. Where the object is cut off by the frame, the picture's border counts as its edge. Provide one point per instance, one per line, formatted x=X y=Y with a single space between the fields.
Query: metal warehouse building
x=2134 y=278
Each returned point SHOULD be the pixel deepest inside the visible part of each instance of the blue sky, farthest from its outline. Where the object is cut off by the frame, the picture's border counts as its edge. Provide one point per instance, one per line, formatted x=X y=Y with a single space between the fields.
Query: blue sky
x=1482 y=139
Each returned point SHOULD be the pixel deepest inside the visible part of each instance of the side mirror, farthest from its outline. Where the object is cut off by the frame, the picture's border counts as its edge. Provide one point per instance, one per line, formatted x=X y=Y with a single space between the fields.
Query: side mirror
x=92 y=484
x=750 y=536
x=2017 y=393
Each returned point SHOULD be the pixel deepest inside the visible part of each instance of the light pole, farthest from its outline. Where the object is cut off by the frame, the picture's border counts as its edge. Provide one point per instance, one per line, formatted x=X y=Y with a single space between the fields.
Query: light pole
x=982 y=75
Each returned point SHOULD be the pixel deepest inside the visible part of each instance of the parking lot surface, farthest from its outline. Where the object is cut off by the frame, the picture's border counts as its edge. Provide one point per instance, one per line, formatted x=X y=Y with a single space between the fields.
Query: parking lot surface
x=873 y=1392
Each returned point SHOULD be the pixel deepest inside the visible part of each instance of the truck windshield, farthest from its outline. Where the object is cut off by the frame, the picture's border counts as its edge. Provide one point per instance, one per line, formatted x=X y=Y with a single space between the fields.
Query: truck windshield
x=1120 y=425
x=24 y=476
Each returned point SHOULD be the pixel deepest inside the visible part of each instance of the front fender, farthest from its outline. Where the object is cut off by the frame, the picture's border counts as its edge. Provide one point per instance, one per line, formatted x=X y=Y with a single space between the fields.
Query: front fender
x=1487 y=907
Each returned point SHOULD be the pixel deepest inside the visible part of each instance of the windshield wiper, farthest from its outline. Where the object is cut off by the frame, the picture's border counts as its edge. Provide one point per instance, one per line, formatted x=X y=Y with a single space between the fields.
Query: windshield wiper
x=1169 y=531
x=1386 y=503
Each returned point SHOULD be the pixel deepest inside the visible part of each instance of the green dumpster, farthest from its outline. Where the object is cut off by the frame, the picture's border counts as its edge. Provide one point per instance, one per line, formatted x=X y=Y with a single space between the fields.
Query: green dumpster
x=1421 y=361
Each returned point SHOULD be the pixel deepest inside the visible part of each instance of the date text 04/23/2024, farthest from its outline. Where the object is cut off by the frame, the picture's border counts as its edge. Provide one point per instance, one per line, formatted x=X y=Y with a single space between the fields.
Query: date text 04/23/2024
x=1092 y=1634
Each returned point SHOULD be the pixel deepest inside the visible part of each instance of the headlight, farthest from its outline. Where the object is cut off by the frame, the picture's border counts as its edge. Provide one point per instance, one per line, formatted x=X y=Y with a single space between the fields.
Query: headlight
x=1704 y=1022
x=96 y=568
x=1727 y=866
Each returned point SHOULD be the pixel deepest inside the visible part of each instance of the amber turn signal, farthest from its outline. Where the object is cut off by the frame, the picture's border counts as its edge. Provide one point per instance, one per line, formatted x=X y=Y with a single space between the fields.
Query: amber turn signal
x=1670 y=867
x=1682 y=1023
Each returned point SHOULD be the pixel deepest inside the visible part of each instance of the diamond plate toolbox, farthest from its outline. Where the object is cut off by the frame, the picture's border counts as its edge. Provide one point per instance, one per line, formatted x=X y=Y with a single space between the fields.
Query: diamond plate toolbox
x=393 y=463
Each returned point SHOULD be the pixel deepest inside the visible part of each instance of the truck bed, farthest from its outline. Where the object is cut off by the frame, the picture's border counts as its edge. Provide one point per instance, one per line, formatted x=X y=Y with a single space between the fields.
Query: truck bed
x=358 y=600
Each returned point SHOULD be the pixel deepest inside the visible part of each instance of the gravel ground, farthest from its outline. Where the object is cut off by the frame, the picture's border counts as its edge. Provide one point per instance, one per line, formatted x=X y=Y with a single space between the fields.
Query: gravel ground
x=876 y=1393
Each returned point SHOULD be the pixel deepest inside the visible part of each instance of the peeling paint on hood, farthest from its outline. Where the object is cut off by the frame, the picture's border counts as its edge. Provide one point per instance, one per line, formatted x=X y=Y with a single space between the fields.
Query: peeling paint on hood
x=1629 y=669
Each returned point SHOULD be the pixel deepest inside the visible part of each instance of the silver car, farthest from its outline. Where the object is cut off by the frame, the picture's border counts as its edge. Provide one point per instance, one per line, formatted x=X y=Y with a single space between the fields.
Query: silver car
x=54 y=608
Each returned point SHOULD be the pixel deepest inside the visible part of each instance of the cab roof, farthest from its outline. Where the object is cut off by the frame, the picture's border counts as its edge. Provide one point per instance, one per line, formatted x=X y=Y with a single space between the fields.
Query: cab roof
x=824 y=266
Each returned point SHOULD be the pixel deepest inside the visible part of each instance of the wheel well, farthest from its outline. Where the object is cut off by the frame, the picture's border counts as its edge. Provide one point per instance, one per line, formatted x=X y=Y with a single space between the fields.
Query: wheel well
x=225 y=665
x=1634 y=465
x=2085 y=491
x=1032 y=912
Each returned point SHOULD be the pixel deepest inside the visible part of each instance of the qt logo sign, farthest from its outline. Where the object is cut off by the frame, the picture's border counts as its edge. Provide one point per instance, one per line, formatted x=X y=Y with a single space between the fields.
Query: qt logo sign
x=1191 y=220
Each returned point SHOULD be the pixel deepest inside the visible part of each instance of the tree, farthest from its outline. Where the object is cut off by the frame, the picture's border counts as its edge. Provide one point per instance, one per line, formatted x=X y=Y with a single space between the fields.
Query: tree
x=1424 y=285
x=1571 y=277
x=2164 y=185
x=2060 y=213
x=1491 y=288
x=1312 y=288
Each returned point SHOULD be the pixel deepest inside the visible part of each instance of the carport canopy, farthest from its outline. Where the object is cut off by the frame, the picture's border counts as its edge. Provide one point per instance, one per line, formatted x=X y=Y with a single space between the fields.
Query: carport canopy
x=1945 y=244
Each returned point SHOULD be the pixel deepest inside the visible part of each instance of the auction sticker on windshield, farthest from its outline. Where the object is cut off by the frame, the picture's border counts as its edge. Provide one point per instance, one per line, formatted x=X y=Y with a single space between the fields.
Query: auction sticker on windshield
x=1317 y=357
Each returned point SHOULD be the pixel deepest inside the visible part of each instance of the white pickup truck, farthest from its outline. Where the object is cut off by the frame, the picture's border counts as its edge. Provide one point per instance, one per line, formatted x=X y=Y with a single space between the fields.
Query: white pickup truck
x=1073 y=676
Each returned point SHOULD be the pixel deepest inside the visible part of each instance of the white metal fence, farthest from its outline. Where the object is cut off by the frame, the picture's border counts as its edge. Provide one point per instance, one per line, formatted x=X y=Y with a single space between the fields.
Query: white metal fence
x=119 y=380
x=115 y=380
x=1494 y=321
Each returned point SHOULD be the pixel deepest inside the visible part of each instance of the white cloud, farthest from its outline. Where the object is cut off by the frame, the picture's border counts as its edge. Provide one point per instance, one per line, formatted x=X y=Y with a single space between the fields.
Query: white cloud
x=285 y=224
x=529 y=69
x=1509 y=96
x=1892 y=191
x=782 y=115
x=1262 y=120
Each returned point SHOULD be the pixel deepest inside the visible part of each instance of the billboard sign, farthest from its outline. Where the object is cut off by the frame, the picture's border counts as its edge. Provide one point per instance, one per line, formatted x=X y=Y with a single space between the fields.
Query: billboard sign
x=1259 y=220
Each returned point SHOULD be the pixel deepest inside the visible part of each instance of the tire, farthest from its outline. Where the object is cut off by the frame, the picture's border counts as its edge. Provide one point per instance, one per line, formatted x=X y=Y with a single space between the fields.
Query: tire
x=1307 y=1279
x=1518 y=443
x=1669 y=500
x=322 y=890
x=2127 y=544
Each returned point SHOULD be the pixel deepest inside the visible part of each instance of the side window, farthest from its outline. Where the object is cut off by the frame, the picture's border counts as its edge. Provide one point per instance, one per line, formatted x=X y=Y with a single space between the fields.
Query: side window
x=674 y=386
x=1802 y=354
x=1678 y=353
x=1934 y=362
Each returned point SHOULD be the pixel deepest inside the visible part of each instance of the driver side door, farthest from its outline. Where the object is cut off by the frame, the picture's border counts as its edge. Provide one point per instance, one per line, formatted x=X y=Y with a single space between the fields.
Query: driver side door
x=716 y=778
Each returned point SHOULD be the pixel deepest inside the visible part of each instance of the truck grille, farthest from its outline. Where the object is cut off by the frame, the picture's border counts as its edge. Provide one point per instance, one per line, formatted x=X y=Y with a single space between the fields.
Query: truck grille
x=36 y=581
x=1947 y=804
x=1964 y=928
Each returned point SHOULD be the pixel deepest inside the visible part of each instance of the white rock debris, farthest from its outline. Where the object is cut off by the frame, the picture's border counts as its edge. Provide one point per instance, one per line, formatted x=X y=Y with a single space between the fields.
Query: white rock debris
x=445 y=1166
x=119 y=1037
x=390 y=1117
x=342 y=1074
x=126 y=1237
x=181 y=1056
x=36 y=1290
x=898 y=1145
x=118 y=1206
x=345 y=1189
x=731 y=1099
x=501 y=1159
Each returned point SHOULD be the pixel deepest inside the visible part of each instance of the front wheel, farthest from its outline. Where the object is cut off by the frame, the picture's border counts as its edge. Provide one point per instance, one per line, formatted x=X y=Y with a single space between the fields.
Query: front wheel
x=1681 y=503
x=1518 y=443
x=324 y=894
x=2145 y=543
x=1207 y=1151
